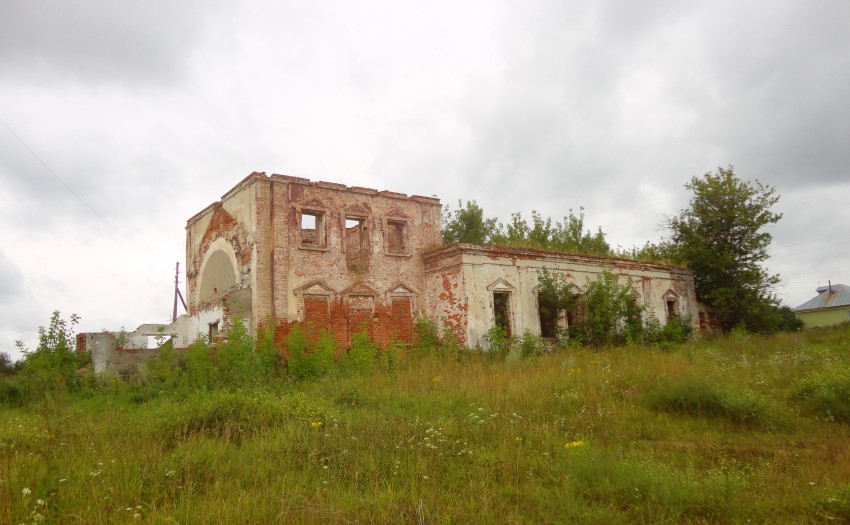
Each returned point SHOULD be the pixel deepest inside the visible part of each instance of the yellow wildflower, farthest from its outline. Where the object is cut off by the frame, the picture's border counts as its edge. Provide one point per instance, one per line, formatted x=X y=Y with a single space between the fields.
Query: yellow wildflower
x=572 y=444
x=316 y=424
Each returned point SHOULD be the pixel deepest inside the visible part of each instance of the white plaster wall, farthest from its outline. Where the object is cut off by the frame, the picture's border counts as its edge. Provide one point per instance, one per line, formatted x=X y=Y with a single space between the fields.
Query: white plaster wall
x=481 y=271
x=218 y=245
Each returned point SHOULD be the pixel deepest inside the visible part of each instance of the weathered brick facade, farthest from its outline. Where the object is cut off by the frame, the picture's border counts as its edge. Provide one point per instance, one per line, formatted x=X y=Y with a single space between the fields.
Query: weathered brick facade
x=279 y=250
x=284 y=249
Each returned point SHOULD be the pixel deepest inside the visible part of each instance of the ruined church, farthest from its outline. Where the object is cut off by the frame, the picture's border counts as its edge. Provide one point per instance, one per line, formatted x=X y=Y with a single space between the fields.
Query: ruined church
x=278 y=250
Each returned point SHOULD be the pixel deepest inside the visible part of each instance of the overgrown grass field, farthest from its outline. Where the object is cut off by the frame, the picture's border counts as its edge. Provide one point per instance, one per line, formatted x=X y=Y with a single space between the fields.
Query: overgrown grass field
x=746 y=429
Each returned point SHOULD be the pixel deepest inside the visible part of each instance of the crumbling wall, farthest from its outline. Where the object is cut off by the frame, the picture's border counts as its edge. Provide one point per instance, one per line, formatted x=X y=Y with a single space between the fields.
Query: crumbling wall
x=362 y=246
x=470 y=283
x=123 y=351
x=283 y=235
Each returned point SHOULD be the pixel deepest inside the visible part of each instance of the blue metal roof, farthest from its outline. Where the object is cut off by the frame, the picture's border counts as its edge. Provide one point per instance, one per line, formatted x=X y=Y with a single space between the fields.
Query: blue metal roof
x=839 y=296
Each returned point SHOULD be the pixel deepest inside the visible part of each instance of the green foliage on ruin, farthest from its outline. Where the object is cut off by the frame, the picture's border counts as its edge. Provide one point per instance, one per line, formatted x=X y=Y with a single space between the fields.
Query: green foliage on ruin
x=722 y=237
x=607 y=313
x=308 y=358
x=467 y=224
x=54 y=367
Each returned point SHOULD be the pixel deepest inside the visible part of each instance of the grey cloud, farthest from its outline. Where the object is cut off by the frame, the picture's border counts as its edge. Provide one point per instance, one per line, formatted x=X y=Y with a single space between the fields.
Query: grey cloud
x=11 y=278
x=132 y=42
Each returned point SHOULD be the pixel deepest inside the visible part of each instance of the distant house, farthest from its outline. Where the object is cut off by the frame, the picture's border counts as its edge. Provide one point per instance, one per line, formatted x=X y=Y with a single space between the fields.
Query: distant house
x=830 y=307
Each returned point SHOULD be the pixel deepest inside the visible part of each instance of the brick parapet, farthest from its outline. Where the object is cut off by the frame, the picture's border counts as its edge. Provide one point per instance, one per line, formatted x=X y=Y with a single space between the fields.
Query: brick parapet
x=434 y=258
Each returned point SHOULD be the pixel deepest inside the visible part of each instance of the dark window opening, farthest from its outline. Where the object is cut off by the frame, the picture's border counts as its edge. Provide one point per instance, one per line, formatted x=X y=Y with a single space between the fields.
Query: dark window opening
x=502 y=311
x=396 y=238
x=213 y=332
x=672 y=308
x=356 y=244
x=575 y=312
x=312 y=229
x=548 y=316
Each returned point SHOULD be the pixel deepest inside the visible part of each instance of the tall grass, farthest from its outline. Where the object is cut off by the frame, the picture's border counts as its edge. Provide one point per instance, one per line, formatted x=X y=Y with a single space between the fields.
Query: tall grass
x=718 y=431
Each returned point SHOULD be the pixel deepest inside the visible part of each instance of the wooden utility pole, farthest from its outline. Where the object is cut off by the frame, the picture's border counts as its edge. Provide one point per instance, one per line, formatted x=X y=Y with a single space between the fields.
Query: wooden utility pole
x=177 y=294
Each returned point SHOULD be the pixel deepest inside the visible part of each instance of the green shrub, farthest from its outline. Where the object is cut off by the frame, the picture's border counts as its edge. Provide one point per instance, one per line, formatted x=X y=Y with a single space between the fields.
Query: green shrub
x=308 y=360
x=739 y=333
x=532 y=345
x=834 y=503
x=426 y=337
x=360 y=358
x=649 y=487
x=611 y=314
x=11 y=393
x=699 y=398
x=200 y=371
x=163 y=370
x=268 y=352
x=390 y=357
x=825 y=393
x=53 y=369
x=497 y=341
x=235 y=358
x=235 y=415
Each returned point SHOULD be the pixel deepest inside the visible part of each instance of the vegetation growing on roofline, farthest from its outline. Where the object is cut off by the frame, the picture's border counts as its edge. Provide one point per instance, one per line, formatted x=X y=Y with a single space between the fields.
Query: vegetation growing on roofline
x=467 y=224
x=721 y=236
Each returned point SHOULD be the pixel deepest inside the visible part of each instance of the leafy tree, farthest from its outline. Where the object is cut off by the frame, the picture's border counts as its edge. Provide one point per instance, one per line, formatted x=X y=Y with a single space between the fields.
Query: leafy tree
x=785 y=320
x=236 y=359
x=651 y=252
x=200 y=366
x=721 y=237
x=570 y=236
x=611 y=314
x=7 y=366
x=468 y=225
x=556 y=294
x=53 y=367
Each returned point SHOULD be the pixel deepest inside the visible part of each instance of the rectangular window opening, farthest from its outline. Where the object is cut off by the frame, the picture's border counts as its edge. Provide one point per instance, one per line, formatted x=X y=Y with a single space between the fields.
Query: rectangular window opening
x=672 y=309
x=502 y=311
x=356 y=244
x=213 y=332
x=575 y=313
x=312 y=229
x=397 y=238
x=548 y=316
x=156 y=341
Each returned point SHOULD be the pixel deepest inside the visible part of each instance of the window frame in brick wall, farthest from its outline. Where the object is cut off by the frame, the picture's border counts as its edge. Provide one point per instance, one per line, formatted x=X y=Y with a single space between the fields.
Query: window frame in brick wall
x=671 y=305
x=506 y=293
x=359 y=260
x=553 y=323
x=320 y=226
x=314 y=288
x=404 y=227
x=401 y=290
x=213 y=331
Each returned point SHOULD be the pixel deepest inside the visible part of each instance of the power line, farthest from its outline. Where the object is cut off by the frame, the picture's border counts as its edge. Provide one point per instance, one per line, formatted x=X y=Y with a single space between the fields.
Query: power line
x=786 y=254
x=57 y=177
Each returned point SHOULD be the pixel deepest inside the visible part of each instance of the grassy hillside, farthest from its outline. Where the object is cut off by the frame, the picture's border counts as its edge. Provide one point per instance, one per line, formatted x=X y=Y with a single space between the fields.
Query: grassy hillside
x=737 y=430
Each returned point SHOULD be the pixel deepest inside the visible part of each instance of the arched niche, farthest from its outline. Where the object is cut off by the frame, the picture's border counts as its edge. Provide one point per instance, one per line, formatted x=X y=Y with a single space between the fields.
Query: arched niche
x=219 y=272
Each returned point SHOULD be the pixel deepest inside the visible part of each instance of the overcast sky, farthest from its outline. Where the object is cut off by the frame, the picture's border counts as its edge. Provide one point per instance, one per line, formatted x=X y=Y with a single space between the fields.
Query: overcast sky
x=149 y=111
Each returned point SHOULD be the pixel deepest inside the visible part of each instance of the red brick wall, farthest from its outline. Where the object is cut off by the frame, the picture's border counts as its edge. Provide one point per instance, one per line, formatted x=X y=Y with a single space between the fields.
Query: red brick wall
x=383 y=323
